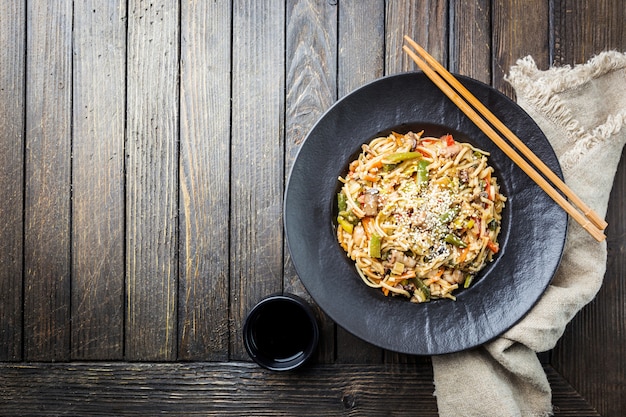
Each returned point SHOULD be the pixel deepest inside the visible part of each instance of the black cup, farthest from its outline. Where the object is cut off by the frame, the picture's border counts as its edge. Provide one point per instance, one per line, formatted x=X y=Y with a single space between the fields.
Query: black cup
x=281 y=333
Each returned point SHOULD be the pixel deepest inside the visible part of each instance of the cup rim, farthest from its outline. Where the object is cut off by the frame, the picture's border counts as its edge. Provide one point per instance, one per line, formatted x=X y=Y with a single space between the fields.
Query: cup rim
x=270 y=363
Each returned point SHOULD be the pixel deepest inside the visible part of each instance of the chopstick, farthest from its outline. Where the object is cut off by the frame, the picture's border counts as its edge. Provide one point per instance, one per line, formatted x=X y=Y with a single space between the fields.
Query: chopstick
x=590 y=221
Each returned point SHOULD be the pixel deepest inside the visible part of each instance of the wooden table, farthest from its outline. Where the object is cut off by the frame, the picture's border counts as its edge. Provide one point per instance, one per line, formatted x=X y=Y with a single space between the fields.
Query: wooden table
x=145 y=149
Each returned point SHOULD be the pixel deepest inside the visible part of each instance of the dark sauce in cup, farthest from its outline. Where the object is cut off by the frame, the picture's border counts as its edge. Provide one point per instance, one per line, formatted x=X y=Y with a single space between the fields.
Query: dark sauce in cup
x=282 y=331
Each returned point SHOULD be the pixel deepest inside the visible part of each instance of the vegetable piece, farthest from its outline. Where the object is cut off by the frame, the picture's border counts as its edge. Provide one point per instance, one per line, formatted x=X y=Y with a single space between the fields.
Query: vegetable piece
x=463 y=254
x=349 y=217
x=370 y=177
x=421 y=287
x=389 y=167
x=458 y=223
x=468 y=281
x=345 y=225
x=365 y=221
x=422 y=172
x=449 y=215
x=423 y=152
x=488 y=186
x=401 y=157
x=455 y=240
x=492 y=246
x=376 y=165
x=342 y=201
x=448 y=139
x=375 y=243
x=397 y=269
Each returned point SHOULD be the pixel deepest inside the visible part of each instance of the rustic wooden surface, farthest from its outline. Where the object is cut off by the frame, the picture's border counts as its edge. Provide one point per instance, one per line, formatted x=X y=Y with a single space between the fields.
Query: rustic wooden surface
x=145 y=149
x=234 y=389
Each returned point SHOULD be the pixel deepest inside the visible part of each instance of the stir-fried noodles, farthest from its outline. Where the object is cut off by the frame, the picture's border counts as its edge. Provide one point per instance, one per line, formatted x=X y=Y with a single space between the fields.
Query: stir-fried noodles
x=419 y=216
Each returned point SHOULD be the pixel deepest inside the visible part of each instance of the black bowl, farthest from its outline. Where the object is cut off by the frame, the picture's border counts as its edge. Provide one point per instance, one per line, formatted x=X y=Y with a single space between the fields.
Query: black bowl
x=531 y=240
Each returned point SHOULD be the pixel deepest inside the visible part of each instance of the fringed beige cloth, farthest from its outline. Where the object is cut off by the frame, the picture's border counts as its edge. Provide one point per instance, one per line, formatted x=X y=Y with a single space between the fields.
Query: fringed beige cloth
x=582 y=111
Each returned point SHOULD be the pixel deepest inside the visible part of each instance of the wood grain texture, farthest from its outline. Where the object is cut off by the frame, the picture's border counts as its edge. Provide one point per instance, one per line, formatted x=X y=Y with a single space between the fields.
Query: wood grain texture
x=470 y=39
x=12 y=96
x=590 y=352
x=519 y=28
x=152 y=180
x=215 y=389
x=234 y=389
x=204 y=180
x=361 y=44
x=426 y=22
x=47 y=184
x=566 y=401
x=595 y=26
x=257 y=147
x=311 y=88
x=360 y=60
x=99 y=81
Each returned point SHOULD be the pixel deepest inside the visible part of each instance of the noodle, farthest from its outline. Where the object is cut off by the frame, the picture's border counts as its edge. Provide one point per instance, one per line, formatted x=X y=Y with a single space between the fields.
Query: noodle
x=419 y=216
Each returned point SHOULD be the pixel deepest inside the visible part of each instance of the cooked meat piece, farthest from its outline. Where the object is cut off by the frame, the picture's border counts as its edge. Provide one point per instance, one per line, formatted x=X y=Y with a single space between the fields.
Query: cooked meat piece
x=414 y=139
x=370 y=202
x=450 y=151
x=358 y=235
x=454 y=277
x=397 y=256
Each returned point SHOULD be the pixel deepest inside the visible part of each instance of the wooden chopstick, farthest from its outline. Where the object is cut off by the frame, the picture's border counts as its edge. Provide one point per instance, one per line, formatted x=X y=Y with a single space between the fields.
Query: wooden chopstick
x=590 y=221
x=521 y=146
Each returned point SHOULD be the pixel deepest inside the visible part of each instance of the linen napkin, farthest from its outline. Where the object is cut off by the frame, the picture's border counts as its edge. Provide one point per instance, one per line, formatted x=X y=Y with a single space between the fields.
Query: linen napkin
x=582 y=111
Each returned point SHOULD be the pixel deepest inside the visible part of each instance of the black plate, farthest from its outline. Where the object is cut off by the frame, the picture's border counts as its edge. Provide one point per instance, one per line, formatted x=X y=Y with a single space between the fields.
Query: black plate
x=531 y=241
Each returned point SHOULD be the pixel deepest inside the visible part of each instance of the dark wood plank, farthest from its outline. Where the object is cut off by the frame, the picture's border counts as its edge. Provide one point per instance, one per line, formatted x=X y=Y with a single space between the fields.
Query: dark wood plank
x=519 y=28
x=566 y=401
x=361 y=44
x=234 y=389
x=204 y=174
x=360 y=60
x=470 y=39
x=426 y=22
x=12 y=91
x=596 y=26
x=47 y=188
x=311 y=88
x=257 y=170
x=590 y=354
x=98 y=180
x=214 y=389
x=152 y=185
